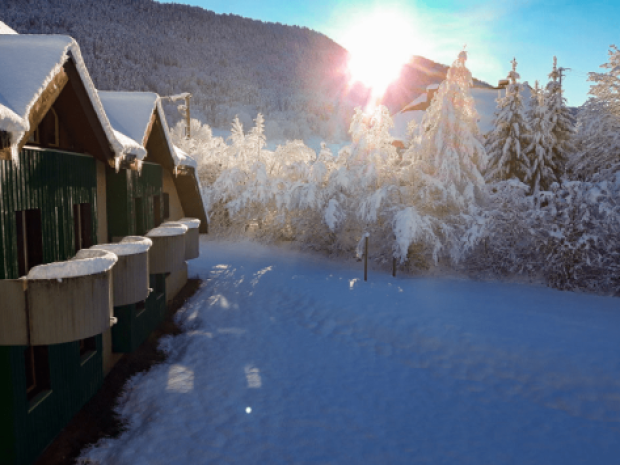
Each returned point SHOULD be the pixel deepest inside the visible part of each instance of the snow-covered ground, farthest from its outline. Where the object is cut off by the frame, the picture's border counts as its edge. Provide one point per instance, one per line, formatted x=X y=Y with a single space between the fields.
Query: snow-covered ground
x=293 y=358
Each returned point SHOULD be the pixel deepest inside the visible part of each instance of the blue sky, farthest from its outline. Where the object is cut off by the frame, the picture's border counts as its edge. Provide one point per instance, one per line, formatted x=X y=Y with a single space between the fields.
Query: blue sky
x=577 y=32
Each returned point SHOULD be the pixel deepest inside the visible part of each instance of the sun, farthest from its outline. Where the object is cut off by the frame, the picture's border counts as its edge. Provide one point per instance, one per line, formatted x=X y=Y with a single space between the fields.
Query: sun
x=379 y=45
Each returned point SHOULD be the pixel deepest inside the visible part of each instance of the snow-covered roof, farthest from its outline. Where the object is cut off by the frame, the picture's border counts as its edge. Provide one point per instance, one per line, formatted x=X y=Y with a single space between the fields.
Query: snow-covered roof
x=130 y=114
x=401 y=121
x=485 y=102
x=29 y=64
x=4 y=29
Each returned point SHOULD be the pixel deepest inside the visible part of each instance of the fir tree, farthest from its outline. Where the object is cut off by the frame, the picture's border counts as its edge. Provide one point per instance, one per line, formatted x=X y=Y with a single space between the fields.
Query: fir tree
x=561 y=123
x=511 y=135
x=599 y=124
x=448 y=155
x=539 y=153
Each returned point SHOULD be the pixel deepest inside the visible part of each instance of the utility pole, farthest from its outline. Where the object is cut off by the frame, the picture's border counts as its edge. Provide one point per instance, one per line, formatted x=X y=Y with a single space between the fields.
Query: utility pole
x=186 y=96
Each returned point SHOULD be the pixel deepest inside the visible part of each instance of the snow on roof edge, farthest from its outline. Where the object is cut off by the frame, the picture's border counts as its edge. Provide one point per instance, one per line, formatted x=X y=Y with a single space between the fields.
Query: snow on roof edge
x=184 y=158
x=4 y=29
x=164 y=124
x=71 y=51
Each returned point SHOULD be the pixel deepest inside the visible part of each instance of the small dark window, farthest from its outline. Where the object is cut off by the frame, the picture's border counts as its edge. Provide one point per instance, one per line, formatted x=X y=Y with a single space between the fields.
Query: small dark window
x=166 y=206
x=140 y=307
x=82 y=225
x=37 y=370
x=5 y=140
x=88 y=347
x=139 y=214
x=29 y=239
x=156 y=210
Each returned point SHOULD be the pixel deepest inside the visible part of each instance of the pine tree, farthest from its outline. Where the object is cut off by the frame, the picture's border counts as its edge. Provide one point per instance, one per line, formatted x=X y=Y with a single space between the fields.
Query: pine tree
x=599 y=124
x=448 y=155
x=561 y=123
x=539 y=152
x=511 y=135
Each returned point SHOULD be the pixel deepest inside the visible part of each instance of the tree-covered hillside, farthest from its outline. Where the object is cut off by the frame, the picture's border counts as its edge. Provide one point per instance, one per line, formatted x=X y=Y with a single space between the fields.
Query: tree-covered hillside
x=232 y=65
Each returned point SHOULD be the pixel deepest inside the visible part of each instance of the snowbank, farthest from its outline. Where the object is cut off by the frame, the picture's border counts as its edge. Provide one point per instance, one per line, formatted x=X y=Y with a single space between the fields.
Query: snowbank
x=29 y=64
x=86 y=262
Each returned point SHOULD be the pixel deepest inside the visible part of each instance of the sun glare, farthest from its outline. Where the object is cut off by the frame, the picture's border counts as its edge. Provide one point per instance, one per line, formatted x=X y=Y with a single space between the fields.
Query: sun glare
x=379 y=45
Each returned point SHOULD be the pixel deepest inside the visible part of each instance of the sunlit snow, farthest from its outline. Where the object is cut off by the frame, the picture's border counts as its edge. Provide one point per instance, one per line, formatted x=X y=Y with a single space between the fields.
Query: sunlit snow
x=323 y=367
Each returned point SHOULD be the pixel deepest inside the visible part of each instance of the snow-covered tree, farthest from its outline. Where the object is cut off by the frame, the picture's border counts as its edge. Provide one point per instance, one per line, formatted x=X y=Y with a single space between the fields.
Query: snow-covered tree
x=542 y=165
x=598 y=153
x=561 y=123
x=447 y=156
x=507 y=143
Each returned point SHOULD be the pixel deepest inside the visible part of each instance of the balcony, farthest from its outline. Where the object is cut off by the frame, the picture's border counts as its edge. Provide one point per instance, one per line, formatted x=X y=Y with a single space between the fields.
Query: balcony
x=59 y=302
x=192 y=237
x=167 y=254
x=131 y=272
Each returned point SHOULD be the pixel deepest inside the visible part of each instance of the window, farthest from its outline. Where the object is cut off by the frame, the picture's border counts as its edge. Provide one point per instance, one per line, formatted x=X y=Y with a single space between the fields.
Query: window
x=48 y=131
x=37 y=371
x=29 y=239
x=166 y=206
x=156 y=210
x=5 y=140
x=139 y=214
x=88 y=347
x=82 y=225
x=140 y=307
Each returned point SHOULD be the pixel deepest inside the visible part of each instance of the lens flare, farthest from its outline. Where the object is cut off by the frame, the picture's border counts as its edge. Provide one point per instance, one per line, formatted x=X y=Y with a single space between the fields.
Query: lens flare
x=379 y=45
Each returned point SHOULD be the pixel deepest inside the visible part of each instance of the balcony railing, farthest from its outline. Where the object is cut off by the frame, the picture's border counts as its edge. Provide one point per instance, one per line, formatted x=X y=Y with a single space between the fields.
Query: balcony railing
x=192 y=237
x=167 y=254
x=59 y=302
x=131 y=272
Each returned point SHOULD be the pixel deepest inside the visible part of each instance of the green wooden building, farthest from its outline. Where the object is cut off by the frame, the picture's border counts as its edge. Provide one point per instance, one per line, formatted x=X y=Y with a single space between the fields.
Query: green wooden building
x=69 y=179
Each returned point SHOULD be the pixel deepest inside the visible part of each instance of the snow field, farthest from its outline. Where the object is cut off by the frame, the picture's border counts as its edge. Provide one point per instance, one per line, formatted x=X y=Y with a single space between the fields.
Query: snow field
x=292 y=358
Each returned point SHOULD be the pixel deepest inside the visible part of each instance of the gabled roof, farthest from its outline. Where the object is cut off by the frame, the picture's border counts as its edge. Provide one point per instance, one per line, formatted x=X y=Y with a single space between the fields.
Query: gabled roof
x=131 y=113
x=30 y=65
x=139 y=116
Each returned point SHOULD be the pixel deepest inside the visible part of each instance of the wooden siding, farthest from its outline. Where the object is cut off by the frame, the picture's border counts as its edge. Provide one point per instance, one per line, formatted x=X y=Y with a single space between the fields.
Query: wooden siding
x=28 y=427
x=123 y=188
x=52 y=181
x=133 y=328
x=167 y=254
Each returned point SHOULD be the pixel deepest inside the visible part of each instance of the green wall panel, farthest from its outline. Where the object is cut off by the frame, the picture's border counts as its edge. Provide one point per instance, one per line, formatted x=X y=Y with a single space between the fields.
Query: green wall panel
x=73 y=383
x=123 y=188
x=52 y=181
x=133 y=328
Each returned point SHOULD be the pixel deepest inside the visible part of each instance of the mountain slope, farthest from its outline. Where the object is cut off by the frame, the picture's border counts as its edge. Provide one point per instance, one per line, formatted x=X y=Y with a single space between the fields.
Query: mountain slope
x=232 y=65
